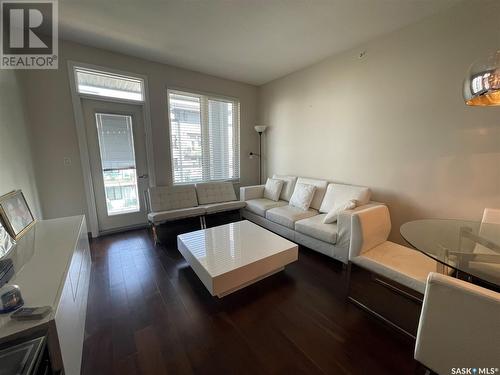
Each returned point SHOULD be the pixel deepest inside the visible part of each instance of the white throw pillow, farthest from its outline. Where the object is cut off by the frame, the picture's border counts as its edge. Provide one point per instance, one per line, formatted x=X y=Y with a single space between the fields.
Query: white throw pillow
x=332 y=216
x=302 y=196
x=272 y=190
x=320 y=190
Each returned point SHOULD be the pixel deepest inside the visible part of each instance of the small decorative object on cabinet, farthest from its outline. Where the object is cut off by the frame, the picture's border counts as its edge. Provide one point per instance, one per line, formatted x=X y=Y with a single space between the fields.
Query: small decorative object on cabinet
x=10 y=298
x=6 y=242
x=16 y=214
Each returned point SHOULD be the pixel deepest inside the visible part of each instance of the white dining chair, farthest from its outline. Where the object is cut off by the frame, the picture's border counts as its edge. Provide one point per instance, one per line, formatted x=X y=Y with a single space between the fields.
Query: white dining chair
x=487 y=261
x=459 y=326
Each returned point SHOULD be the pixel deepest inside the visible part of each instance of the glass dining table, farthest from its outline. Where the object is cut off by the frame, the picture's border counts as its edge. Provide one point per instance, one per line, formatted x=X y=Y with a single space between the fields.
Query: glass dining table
x=468 y=250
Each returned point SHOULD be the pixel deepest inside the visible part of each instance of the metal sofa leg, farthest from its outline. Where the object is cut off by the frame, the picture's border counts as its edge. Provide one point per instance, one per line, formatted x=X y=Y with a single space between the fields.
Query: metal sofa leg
x=203 y=223
x=346 y=270
x=155 y=235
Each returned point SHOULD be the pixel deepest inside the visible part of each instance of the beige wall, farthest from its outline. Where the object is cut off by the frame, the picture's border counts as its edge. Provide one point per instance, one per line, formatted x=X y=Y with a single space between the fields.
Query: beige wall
x=395 y=120
x=51 y=113
x=16 y=167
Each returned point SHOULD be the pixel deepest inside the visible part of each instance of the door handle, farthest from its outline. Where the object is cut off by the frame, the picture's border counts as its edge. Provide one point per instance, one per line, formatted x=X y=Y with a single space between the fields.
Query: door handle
x=143 y=176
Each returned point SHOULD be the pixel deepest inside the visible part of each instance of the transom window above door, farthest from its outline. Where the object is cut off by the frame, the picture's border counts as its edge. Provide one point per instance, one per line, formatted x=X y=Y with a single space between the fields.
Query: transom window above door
x=109 y=85
x=204 y=137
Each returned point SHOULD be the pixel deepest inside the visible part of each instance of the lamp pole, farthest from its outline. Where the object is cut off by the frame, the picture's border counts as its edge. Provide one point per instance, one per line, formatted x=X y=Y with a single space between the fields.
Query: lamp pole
x=260 y=129
x=260 y=157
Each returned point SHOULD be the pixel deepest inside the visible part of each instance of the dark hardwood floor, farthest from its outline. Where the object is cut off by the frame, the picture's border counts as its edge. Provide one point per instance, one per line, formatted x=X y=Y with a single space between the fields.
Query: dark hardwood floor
x=148 y=313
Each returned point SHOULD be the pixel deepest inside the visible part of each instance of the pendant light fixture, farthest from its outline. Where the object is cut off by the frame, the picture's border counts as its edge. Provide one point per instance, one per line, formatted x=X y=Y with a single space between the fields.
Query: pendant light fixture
x=482 y=83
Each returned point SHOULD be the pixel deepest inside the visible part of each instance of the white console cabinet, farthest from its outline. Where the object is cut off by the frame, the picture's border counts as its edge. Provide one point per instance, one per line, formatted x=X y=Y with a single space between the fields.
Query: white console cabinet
x=52 y=267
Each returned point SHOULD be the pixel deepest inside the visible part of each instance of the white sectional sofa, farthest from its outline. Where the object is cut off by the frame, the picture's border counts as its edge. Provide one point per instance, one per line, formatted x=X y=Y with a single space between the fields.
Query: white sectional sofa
x=171 y=203
x=306 y=227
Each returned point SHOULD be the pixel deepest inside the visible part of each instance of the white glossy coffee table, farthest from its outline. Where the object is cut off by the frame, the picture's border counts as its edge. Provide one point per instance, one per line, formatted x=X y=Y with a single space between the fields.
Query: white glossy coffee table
x=229 y=257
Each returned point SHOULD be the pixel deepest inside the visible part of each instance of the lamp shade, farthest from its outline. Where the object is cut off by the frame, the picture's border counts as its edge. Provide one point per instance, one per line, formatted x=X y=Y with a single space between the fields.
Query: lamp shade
x=260 y=128
x=482 y=83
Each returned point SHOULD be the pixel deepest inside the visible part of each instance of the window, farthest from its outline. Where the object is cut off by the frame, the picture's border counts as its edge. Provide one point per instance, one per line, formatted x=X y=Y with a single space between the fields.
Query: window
x=204 y=137
x=94 y=82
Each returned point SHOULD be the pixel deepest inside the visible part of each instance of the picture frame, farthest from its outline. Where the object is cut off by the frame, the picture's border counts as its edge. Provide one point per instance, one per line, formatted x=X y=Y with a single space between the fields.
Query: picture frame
x=16 y=214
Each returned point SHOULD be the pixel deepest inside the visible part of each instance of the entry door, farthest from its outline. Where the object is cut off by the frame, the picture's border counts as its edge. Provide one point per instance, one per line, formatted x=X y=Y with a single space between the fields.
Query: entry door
x=117 y=150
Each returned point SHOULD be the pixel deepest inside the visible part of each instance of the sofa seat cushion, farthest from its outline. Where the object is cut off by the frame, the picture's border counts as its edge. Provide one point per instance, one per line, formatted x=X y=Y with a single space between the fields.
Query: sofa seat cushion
x=314 y=227
x=259 y=206
x=215 y=192
x=399 y=263
x=288 y=215
x=224 y=206
x=182 y=213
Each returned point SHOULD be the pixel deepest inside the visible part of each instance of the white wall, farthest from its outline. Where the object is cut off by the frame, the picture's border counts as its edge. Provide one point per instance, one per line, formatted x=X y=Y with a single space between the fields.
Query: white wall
x=50 y=110
x=395 y=120
x=16 y=167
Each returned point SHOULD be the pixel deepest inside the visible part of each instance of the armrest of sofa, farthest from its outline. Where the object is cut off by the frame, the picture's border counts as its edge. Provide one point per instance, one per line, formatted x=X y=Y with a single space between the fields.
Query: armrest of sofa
x=364 y=227
x=251 y=192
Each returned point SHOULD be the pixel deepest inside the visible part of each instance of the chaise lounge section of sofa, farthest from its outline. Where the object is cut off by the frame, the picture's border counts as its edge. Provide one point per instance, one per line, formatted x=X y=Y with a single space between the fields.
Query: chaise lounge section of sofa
x=178 y=202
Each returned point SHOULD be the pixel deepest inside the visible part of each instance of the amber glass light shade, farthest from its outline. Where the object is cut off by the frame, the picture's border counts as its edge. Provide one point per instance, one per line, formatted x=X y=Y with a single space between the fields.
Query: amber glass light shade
x=482 y=83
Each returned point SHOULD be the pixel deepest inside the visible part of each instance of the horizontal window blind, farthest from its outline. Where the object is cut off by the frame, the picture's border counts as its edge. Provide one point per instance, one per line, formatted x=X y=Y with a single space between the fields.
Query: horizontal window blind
x=116 y=141
x=109 y=85
x=204 y=137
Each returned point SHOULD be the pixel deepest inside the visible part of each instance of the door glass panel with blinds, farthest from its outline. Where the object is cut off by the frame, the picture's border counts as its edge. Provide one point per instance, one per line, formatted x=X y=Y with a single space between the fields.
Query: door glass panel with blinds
x=116 y=145
x=118 y=162
x=204 y=137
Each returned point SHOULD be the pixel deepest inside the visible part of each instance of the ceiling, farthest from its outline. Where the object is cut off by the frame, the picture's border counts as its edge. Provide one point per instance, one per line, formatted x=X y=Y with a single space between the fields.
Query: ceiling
x=252 y=41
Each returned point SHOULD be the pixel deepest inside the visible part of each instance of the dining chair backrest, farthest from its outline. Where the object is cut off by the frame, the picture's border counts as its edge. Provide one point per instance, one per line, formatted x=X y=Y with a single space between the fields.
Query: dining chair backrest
x=491 y=216
x=459 y=326
x=492 y=232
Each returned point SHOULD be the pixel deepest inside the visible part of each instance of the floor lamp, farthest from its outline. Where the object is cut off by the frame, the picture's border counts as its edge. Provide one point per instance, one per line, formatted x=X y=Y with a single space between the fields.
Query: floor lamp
x=259 y=129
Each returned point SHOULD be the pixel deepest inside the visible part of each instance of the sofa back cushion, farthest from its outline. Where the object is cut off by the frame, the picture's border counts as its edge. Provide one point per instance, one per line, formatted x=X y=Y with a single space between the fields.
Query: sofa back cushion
x=215 y=192
x=288 y=186
x=319 y=192
x=166 y=198
x=339 y=194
